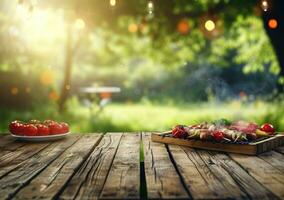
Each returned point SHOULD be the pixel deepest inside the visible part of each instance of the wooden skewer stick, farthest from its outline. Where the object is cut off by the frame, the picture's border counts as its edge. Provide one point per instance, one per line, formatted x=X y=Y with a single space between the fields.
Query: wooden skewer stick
x=165 y=133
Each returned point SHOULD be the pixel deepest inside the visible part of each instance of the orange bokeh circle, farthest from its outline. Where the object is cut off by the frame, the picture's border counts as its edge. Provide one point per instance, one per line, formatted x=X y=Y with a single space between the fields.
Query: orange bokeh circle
x=183 y=27
x=272 y=23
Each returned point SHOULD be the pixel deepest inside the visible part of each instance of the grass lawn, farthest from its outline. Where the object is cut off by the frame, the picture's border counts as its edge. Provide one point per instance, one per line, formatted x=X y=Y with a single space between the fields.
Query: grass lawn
x=139 y=117
x=150 y=117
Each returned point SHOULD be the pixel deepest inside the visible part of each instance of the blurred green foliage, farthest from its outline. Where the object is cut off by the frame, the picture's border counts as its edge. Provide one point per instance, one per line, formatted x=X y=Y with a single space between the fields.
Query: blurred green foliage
x=151 y=62
x=148 y=116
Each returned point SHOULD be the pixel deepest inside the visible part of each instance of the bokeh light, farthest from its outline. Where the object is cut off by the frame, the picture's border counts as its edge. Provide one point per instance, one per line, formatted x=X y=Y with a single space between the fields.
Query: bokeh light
x=264 y=5
x=80 y=24
x=112 y=2
x=132 y=28
x=272 y=23
x=183 y=27
x=47 y=77
x=53 y=95
x=209 y=25
x=14 y=90
x=150 y=7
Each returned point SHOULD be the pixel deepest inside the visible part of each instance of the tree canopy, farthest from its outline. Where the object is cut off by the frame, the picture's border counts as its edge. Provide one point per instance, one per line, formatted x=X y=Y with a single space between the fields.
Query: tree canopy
x=133 y=41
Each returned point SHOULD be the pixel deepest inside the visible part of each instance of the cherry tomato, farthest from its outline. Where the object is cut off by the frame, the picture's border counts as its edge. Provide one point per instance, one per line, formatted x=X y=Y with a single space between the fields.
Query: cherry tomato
x=268 y=128
x=179 y=132
x=29 y=130
x=65 y=127
x=218 y=136
x=42 y=129
x=55 y=129
x=15 y=127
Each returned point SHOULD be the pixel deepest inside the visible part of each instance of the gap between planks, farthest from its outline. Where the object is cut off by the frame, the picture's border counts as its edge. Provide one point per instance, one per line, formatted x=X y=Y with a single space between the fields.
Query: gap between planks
x=162 y=179
x=123 y=180
x=264 y=170
x=88 y=181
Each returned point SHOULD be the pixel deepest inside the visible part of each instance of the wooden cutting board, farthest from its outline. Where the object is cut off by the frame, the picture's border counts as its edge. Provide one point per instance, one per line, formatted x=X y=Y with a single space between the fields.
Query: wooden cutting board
x=251 y=148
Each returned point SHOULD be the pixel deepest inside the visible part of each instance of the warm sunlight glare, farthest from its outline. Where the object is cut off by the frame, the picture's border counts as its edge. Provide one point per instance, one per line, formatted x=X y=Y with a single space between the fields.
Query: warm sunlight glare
x=42 y=30
x=79 y=24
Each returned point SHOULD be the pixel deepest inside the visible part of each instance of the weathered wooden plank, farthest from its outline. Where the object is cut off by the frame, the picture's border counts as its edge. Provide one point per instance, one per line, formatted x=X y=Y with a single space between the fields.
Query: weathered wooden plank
x=8 y=143
x=12 y=159
x=204 y=178
x=123 y=180
x=4 y=138
x=89 y=180
x=16 y=179
x=49 y=182
x=246 y=183
x=274 y=158
x=162 y=179
x=280 y=149
x=270 y=177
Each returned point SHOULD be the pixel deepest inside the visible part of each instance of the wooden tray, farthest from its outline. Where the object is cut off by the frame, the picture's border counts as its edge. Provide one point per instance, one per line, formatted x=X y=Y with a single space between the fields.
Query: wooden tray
x=251 y=148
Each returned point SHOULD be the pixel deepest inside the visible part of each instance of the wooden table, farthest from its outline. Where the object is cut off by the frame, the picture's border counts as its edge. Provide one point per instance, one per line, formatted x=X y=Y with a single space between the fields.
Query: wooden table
x=97 y=166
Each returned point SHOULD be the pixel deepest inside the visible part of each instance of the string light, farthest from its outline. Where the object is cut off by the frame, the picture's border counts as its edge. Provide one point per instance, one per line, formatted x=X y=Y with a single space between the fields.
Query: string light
x=272 y=23
x=150 y=7
x=264 y=5
x=112 y=2
x=209 y=25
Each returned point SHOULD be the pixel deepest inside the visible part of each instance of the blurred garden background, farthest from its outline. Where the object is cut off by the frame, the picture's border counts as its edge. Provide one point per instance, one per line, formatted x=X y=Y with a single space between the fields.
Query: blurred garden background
x=124 y=65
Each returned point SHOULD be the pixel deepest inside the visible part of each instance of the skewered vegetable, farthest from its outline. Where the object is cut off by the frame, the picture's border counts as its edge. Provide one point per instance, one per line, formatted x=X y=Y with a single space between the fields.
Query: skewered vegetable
x=268 y=128
x=179 y=131
x=221 y=130
x=260 y=133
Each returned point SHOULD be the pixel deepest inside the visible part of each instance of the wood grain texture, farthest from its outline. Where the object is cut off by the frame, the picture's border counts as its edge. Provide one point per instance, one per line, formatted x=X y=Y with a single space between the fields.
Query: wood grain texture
x=82 y=167
x=11 y=159
x=163 y=181
x=267 y=175
x=247 y=183
x=123 y=181
x=274 y=158
x=205 y=178
x=49 y=182
x=89 y=180
x=18 y=178
x=4 y=139
x=8 y=143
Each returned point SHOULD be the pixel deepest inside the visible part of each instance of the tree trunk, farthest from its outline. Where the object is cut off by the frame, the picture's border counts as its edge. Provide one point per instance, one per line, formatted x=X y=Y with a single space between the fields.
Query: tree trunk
x=68 y=67
x=276 y=11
